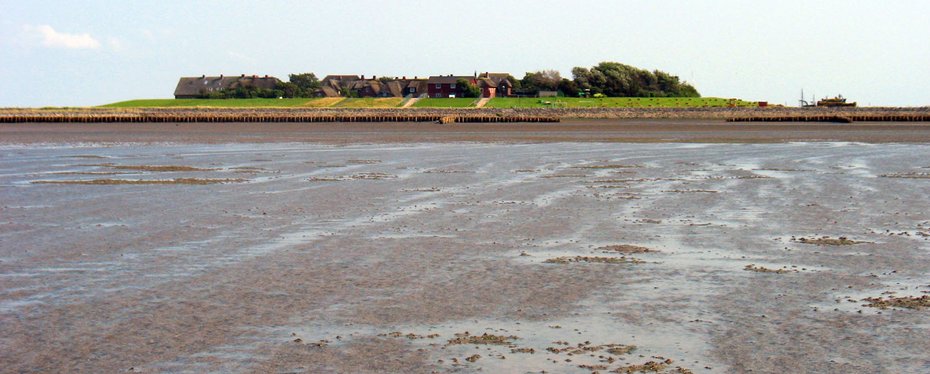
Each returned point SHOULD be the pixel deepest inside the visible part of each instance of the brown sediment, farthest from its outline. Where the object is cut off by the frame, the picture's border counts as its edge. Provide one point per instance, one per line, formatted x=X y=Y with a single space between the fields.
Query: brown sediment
x=88 y=173
x=158 y=168
x=409 y=336
x=625 y=248
x=247 y=169
x=660 y=365
x=467 y=338
x=196 y=181
x=826 y=240
x=726 y=177
x=548 y=176
x=86 y=156
x=363 y=162
x=910 y=175
x=586 y=347
x=447 y=171
x=428 y=189
x=594 y=259
x=358 y=176
x=608 y=186
x=908 y=302
x=763 y=269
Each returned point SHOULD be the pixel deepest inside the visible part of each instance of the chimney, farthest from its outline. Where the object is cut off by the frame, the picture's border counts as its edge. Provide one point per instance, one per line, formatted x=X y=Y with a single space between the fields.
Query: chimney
x=242 y=76
x=202 y=76
x=373 y=77
x=266 y=75
x=221 y=76
x=254 y=76
x=405 y=77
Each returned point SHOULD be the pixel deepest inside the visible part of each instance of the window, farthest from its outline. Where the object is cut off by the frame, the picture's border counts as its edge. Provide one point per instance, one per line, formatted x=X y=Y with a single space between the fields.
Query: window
x=413 y=89
x=452 y=86
x=438 y=86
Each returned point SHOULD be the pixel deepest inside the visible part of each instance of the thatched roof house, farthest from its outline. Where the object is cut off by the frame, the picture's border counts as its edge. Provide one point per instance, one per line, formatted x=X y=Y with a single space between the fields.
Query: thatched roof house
x=197 y=87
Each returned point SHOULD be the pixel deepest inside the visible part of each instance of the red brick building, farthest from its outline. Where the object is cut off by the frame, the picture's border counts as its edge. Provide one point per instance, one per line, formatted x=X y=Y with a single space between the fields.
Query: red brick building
x=446 y=86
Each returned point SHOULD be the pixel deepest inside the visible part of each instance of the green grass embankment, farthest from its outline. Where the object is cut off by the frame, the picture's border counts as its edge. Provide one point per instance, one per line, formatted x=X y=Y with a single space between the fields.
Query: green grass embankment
x=445 y=103
x=547 y=102
x=617 y=102
x=222 y=103
x=369 y=102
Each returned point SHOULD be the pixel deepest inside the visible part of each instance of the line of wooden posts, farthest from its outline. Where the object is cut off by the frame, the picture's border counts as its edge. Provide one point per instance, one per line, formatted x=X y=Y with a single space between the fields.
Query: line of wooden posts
x=836 y=118
x=266 y=117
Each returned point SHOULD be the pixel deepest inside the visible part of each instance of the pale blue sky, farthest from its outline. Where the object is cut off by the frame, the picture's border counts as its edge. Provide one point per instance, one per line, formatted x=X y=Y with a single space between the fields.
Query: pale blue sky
x=94 y=52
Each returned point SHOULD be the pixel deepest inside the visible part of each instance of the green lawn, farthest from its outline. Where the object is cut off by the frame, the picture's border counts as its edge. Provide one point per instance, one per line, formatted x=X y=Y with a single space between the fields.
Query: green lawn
x=369 y=102
x=149 y=103
x=616 y=102
x=445 y=103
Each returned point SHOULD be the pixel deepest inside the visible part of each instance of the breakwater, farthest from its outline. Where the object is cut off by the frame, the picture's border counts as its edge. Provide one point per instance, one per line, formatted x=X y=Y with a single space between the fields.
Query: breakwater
x=880 y=117
x=454 y=115
x=226 y=116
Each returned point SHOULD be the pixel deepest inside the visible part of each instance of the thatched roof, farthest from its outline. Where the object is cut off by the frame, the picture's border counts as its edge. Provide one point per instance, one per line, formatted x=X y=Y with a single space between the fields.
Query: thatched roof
x=202 y=85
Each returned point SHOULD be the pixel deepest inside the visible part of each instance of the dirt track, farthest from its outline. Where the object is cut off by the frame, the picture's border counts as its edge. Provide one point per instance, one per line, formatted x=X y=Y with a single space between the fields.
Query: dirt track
x=567 y=131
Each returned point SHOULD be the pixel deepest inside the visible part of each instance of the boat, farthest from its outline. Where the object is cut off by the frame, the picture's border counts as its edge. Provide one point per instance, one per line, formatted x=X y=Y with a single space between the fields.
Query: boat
x=838 y=101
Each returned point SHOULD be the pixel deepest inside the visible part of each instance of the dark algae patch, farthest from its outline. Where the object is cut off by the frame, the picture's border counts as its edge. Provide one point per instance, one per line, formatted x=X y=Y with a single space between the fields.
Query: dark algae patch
x=826 y=240
x=594 y=259
x=907 y=302
x=625 y=248
x=159 y=168
x=467 y=338
x=763 y=269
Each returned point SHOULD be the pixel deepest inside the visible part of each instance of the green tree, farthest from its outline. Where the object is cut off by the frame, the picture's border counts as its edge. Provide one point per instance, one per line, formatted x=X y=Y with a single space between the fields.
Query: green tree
x=616 y=79
x=543 y=80
x=307 y=84
x=288 y=89
x=514 y=82
x=568 y=87
x=469 y=89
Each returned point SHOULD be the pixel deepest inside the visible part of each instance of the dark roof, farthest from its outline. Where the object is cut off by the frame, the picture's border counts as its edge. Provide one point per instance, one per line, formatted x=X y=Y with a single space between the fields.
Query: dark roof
x=485 y=82
x=498 y=78
x=395 y=88
x=341 y=77
x=448 y=79
x=196 y=86
x=329 y=91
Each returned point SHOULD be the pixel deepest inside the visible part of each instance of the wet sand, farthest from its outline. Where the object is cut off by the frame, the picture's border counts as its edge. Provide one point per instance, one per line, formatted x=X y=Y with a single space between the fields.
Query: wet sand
x=699 y=131
x=370 y=256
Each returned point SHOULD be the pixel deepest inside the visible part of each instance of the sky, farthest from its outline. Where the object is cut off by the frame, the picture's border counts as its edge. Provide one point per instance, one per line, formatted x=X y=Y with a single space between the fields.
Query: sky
x=79 y=53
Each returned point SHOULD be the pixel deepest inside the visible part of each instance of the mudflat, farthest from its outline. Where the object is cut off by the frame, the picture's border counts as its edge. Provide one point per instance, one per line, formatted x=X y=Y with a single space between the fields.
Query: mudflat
x=664 y=130
x=294 y=248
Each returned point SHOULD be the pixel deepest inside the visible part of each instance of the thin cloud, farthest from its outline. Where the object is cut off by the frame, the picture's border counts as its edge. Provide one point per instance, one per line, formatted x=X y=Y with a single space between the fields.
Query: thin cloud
x=54 y=39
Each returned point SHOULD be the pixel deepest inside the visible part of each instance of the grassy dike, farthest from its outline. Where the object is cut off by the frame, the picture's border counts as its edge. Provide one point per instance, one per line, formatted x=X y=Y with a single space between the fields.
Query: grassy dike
x=501 y=103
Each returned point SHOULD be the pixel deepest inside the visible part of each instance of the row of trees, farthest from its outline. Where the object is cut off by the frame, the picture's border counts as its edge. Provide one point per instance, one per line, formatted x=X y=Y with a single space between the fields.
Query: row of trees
x=607 y=79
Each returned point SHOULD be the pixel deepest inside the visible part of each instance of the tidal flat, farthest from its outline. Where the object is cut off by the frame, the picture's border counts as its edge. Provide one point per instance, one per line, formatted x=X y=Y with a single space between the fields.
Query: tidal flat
x=464 y=256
